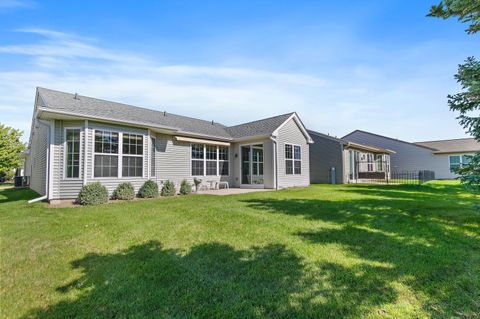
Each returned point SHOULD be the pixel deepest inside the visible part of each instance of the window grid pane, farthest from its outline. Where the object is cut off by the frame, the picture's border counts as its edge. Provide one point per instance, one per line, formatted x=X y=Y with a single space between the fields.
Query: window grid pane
x=211 y=168
x=288 y=151
x=297 y=153
x=105 y=166
x=298 y=167
x=289 y=167
x=132 y=144
x=132 y=166
x=197 y=168
x=211 y=152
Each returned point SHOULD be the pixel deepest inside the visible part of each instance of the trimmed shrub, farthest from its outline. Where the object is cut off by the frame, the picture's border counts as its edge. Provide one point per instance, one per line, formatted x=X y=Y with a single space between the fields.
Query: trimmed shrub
x=124 y=191
x=149 y=189
x=93 y=194
x=168 y=189
x=185 y=187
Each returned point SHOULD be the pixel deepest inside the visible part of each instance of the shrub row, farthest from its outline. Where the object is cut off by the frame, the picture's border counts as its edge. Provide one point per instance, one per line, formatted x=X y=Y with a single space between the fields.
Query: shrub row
x=96 y=193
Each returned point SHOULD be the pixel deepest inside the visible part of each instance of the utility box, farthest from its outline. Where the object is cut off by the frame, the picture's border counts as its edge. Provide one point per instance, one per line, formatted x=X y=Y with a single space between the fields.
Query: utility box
x=333 y=175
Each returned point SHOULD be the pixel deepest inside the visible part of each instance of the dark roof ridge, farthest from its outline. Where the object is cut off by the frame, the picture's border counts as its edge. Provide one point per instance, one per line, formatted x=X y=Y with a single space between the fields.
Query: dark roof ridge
x=390 y=138
x=135 y=106
x=263 y=119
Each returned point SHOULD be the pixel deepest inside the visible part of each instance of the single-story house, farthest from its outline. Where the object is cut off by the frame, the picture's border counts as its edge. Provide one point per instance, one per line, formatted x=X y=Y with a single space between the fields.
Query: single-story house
x=77 y=140
x=440 y=156
x=338 y=161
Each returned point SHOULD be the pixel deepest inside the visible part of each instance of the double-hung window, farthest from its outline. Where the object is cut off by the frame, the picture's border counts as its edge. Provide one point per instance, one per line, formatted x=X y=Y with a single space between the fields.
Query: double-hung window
x=132 y=159
x=370 y=162
x=209 y=160
x=211 y=151
x=197 y=159
x=293 y=159
x=106 y=154
x=223 y=160
x=72 y=143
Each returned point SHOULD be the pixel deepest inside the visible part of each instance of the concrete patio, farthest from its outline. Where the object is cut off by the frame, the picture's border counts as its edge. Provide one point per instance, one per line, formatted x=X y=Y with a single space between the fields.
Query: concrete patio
x=232 y=191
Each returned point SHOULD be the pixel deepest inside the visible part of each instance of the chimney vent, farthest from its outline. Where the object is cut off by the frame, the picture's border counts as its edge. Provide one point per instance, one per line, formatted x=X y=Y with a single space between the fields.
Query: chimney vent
x=164 y=113
x=76 y=96
x=213 y=123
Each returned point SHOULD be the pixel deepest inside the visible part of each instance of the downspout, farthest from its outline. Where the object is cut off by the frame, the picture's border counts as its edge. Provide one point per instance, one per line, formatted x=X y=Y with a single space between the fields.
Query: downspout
x=47 y=179
x=275 y=161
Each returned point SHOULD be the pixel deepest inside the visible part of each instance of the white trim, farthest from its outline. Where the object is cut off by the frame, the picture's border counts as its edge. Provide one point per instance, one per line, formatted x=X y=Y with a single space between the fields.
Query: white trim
x=299 y=123
x=85 y=162
x=80 y=159
x=50 y=152
x=109 y=154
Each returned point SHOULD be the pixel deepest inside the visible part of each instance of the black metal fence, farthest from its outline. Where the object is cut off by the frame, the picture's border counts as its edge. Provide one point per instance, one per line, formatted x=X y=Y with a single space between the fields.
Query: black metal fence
x=396 y=178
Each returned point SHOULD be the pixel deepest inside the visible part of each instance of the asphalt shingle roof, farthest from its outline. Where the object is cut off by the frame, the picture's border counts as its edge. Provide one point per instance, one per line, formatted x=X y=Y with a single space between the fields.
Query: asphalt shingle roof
x=102 y=109
x=453 y=146
x=256 y=128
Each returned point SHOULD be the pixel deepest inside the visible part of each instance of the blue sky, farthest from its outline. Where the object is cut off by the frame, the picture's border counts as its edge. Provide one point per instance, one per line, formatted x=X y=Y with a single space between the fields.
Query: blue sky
x=380 y=66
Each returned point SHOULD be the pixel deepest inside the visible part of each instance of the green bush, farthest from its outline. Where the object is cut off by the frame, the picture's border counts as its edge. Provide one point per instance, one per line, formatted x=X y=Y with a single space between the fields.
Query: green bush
x=168 y=189
x=124 y=191
x=185 y=187
x=93 y=194
x=149 y=189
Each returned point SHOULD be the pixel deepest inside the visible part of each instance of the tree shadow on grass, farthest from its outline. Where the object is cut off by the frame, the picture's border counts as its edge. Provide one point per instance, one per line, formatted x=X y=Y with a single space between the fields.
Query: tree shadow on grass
x=210 y=281
x=397 y=236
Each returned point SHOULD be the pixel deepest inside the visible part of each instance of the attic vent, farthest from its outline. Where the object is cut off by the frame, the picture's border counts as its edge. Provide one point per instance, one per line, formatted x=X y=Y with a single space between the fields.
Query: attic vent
x=213 y=123
x=76 y=96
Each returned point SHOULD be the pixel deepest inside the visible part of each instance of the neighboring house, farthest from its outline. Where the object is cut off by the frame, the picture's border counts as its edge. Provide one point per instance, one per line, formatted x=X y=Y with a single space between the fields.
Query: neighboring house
x=77 y=140
x=335 y=160
x=438 y=156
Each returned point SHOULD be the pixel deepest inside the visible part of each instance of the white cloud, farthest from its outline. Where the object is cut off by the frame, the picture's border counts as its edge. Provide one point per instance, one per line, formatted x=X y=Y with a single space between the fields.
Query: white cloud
x=337 y=102
x=9 y=4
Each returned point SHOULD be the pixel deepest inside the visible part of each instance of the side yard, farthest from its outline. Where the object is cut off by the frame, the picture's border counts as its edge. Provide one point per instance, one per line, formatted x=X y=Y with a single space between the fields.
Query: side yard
x=332 y=251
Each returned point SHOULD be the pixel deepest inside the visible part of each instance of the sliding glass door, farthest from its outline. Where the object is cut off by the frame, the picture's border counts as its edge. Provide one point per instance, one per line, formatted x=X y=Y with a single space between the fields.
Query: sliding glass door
x=252 y=164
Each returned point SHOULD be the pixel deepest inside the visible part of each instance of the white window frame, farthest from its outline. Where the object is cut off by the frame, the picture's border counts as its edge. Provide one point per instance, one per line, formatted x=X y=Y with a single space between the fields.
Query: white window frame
x=293 y=159
x=120 y=152
x=120 y=168
x=461 y=163
x=80 y=168
x=205 y=160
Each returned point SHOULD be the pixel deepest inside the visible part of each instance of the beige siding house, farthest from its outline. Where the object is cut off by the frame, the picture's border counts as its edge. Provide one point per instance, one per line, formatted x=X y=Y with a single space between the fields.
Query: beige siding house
x=77 y=140
x=439 y=156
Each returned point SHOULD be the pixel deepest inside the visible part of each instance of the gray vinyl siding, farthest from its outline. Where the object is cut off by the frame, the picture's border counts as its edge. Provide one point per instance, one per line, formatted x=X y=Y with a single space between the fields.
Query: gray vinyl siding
x=173 y=162
x=290 y=133
x=38 y=158
x=66 y=187
x=325 y=153
x=407 y=157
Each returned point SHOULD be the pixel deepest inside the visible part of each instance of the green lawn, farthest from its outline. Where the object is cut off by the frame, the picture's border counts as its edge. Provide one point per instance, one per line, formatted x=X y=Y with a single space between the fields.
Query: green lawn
x=324 y=251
